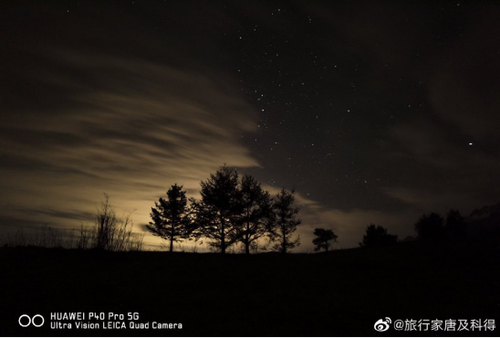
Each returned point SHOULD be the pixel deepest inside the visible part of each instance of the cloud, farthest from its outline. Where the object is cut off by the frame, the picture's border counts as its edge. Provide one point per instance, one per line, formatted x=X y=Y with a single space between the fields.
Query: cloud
x=349 y=225
x=134 y=129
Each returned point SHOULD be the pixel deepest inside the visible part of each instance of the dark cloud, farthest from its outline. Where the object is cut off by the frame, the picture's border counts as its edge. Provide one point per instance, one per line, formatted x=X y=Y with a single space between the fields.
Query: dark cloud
x=65 y=215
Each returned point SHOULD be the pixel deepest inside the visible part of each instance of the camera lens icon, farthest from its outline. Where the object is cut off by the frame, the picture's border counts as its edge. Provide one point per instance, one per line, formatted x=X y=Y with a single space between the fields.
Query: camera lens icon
x=36 y=320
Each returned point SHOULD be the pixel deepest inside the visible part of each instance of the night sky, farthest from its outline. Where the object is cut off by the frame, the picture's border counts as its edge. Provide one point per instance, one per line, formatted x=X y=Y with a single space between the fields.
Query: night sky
x=375 y=112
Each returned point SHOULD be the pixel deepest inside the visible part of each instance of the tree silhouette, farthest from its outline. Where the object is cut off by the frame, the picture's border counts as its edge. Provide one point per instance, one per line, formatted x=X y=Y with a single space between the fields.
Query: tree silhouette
x=256 y=217
x=170 y=217
x=106 y=224
x=286 y=221
x=455 y=225
x=323 y=239
x=377 y=235
x=218 y=211
x=430 y=227
x=109 y=232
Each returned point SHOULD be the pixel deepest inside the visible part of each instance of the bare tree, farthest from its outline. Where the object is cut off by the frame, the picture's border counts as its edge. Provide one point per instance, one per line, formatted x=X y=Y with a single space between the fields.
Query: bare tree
x=106 y=223
x=110 y=232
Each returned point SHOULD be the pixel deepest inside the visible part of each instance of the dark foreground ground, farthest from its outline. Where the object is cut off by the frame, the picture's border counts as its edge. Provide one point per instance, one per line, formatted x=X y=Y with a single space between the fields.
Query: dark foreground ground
x=341 y=293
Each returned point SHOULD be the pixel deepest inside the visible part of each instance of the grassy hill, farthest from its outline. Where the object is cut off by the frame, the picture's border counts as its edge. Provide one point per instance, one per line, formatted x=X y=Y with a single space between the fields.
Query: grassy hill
x=340 y=293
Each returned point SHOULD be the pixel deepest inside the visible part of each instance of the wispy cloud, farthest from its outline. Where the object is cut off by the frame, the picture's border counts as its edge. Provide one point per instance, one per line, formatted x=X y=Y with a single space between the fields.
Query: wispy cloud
x=133 y=130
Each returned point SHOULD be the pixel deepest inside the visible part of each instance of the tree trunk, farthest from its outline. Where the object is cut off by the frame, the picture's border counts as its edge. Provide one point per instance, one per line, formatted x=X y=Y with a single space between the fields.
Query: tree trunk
x=223 y=245
x=247 y=239
x=283 y=244
x=172 y=237
x=222 y=239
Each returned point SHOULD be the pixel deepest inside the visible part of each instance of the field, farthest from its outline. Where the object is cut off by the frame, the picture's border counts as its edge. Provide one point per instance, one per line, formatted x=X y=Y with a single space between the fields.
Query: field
x=340 y=293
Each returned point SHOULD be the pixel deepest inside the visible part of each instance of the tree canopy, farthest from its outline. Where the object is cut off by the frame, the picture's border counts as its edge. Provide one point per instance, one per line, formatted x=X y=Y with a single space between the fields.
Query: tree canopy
x=218 y=213
x=323 y=239
x=430 y=227
x=377 y=235
x=230 y=211
x=170 y=216
x=286 y=221
x=257 y=215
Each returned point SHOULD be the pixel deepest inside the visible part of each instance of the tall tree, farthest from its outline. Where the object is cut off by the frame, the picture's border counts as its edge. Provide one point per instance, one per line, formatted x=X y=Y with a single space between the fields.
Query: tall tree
x=286 y=221
x=323 y=239
x=218 y=212
x=455 y=226
x=430 y=227
x=377 y=235
x=170 y=216
x=256 y=217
